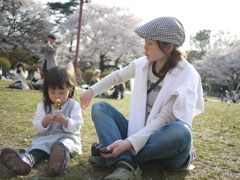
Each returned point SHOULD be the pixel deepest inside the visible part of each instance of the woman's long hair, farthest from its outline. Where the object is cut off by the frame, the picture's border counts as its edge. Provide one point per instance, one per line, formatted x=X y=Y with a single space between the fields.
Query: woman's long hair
x=21 y=65
x=173 y=58
x=58 y=77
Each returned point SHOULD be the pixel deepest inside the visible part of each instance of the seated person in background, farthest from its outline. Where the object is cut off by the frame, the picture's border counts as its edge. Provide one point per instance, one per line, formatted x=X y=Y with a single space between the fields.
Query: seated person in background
x=37 y=81
x=38 y=85
x=0 y=72
x=95 y=79
x=118 y=91
x=36 y=76
x=21 y=78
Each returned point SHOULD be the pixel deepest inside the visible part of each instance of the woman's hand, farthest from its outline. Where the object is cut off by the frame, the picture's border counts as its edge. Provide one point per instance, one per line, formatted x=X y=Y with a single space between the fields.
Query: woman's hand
x=85 y=98
x=117 y=148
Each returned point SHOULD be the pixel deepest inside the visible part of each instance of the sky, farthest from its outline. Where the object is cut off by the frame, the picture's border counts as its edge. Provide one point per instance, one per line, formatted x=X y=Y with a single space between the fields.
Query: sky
x=195 y=15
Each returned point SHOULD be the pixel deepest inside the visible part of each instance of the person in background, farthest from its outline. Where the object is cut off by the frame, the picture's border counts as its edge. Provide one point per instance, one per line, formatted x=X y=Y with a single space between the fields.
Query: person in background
x=206 y=88
x=49 y=49
x=118 y=91
x=37 y=81
x=1 y=72
x=166 y=96
x=20 y=76
x=69 y=64
x=224 y=91
x=96 y=77
x=36 y=76
x=57 y=135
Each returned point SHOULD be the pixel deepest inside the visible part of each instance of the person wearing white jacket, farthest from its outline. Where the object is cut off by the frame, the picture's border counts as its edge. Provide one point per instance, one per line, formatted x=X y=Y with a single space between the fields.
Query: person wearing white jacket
x=166 y=96
x=20 y=75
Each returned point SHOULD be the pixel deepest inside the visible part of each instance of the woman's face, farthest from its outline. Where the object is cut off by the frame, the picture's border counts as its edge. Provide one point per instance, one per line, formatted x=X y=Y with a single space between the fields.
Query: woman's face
x=20 y=68
x=61 y=94
x=153 y=52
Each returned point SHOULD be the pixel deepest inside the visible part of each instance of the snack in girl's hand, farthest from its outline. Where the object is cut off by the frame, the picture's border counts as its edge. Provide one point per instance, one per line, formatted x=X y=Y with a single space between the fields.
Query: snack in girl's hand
x=57 y=104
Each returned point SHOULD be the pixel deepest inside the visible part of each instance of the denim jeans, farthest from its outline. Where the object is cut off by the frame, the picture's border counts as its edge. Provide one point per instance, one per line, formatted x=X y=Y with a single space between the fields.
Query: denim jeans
x=168 y=147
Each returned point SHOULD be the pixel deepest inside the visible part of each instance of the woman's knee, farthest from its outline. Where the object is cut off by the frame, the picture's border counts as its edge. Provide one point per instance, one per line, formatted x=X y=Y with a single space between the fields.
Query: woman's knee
x=98 y=109
x=180 y=132
x=174 y=132
x=99 y=105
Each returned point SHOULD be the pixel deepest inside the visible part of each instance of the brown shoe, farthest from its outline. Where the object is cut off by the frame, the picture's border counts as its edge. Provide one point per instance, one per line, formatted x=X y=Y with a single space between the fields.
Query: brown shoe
x=15 y=161
x=57 y=160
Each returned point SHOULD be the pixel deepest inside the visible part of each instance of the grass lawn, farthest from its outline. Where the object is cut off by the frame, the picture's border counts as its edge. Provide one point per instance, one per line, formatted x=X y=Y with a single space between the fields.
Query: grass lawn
x=216 y=135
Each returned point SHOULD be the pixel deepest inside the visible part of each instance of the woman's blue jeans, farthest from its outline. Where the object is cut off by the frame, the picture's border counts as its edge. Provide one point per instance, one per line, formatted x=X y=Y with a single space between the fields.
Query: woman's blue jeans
x=168 y=147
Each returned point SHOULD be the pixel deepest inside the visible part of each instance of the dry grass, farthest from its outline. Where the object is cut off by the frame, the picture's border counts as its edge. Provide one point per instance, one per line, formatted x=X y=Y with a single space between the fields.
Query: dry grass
x=216 y=135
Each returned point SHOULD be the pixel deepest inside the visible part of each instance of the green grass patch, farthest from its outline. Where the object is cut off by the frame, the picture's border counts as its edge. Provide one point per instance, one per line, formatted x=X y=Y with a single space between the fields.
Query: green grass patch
x=216 y=134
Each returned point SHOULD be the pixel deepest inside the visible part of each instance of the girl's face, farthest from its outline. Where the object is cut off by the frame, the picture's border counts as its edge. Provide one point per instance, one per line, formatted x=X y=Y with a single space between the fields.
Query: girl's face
x=61 y=94
x=153 y=52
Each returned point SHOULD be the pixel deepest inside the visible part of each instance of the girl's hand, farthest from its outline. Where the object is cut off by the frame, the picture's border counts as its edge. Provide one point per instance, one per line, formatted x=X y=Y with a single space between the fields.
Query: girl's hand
x=117 y=148
x=85 y=98
x=47 y=120
x=61 y=119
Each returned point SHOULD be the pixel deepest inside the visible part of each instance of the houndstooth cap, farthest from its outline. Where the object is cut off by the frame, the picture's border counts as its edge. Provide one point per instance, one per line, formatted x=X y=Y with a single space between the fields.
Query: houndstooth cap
x=167 y=29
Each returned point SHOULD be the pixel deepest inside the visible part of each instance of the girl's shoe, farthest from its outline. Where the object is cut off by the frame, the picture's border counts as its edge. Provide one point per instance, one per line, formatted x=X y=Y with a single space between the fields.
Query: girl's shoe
x=124 y=174
x=57 y=160
x=19 y=163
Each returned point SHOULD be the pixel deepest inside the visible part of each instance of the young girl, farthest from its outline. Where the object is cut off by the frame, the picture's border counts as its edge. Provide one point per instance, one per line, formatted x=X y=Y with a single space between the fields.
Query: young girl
x=21 y=77
x=167 y=94
x=57 y=135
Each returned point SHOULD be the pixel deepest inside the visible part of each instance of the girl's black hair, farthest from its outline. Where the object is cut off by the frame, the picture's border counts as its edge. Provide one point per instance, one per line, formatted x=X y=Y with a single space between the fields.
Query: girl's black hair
x=58 y=77
x=173 y=58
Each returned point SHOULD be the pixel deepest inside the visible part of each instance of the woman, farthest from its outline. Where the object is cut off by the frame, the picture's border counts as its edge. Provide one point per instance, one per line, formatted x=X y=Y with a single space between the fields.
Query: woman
x=21 y=76
x=167 y=94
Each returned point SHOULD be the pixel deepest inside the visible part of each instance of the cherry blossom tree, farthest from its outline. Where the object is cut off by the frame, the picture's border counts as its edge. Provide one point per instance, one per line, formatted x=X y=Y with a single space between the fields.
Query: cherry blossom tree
x=108 y=40
x=23 y=26
x=221 y=63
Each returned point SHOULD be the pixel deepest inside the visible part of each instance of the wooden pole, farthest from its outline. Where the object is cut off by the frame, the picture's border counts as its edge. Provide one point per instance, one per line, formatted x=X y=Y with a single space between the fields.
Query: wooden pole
x=78 y=38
